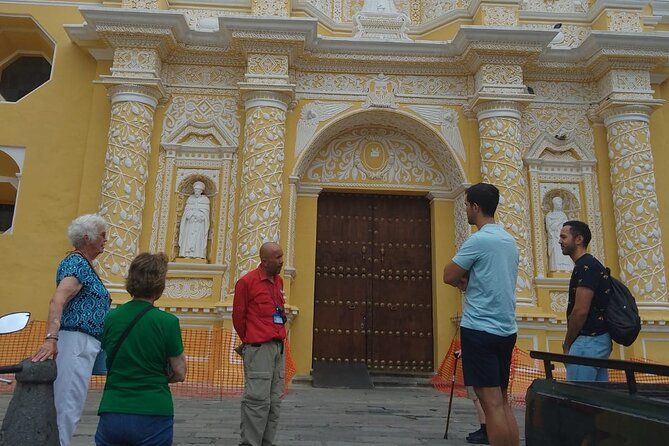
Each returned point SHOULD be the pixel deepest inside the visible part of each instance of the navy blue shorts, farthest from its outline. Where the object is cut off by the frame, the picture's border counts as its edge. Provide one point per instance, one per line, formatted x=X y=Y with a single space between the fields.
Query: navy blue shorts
x=486 y=358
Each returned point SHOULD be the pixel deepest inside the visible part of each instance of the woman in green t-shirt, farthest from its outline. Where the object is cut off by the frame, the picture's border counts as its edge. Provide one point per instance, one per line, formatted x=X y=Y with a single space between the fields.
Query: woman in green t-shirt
x=144 y=354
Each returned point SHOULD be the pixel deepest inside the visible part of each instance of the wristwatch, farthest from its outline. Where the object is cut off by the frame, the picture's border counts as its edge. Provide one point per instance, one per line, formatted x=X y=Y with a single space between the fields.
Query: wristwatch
x=51 y=336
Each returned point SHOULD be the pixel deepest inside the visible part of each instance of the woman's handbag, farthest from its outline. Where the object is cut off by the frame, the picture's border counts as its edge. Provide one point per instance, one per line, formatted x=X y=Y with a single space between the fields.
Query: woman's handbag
x=100 y=365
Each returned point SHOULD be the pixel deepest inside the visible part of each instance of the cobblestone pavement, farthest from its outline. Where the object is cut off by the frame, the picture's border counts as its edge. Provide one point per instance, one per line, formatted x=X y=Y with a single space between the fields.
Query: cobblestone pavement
x=386 y=416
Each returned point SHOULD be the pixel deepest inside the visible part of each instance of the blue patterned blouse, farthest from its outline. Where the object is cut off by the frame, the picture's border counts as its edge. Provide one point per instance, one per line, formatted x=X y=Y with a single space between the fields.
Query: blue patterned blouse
x=86 y=311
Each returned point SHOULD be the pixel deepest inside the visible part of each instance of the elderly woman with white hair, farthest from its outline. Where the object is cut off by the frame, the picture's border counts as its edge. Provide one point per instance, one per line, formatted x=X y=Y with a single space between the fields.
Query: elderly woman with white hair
x=76 y=314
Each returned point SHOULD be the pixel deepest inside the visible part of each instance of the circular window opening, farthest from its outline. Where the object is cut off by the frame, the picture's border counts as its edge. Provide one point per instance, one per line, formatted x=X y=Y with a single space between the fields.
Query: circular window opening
x=22 y=76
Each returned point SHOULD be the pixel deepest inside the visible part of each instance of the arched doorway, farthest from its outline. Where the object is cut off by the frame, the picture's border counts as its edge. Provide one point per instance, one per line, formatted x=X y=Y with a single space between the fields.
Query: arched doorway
x=377 y=173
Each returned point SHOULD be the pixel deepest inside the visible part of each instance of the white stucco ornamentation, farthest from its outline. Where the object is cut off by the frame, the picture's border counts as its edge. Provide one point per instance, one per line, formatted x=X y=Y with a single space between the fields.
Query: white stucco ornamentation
x=135 y=62
x=433 y=9
x=261 y=183
x=381 y=93
x=447 y=120
x=499 y=16
x=124 y=179
x=311 y=116
x=202 y=121
x=493 y=78
x=556 y=6
x=462 y=227
x=191 y=289
x=143 y=4
x=635 y=203
x=270 y=7
x=380 y=19
x=377 y=155
x=502 y=165
x=559 y=301
x=624 y=21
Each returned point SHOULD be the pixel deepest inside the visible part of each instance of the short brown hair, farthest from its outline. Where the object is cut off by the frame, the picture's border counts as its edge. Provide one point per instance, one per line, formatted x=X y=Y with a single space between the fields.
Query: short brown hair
x=146 y=276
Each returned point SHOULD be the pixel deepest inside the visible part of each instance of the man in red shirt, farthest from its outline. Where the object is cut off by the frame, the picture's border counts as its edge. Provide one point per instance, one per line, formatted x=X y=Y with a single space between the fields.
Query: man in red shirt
x=259 y=319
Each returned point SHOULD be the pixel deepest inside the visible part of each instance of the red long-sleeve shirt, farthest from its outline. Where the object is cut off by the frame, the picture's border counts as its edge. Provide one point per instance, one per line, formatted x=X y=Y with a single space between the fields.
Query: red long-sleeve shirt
x=256 y=299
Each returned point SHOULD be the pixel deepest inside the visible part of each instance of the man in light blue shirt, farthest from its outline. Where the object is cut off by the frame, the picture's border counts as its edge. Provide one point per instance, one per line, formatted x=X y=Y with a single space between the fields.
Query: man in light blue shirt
x=486 y=269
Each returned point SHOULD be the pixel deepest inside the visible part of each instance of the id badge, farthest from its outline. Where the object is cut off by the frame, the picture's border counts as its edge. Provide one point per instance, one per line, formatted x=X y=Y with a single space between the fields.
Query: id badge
x=277 y=318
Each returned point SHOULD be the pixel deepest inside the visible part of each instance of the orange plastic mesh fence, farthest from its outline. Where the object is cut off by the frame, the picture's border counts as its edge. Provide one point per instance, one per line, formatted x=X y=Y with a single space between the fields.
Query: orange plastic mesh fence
x=215 y=370
x=524 y=370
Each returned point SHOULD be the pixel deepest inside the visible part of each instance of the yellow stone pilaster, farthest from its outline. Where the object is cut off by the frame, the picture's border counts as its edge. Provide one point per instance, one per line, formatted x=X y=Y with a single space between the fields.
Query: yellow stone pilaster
x=502 y=165
x=636 y=209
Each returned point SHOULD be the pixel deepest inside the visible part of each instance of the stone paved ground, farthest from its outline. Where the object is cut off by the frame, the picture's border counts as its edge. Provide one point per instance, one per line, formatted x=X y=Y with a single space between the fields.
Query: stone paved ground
x=400 y=416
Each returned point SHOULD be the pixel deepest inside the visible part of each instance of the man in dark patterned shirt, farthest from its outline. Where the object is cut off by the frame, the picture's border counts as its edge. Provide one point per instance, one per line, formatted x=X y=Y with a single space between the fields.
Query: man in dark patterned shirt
x=589 y=289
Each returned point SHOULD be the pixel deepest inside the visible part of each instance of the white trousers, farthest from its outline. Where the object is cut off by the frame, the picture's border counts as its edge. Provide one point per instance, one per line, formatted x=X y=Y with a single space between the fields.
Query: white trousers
x=76 y=356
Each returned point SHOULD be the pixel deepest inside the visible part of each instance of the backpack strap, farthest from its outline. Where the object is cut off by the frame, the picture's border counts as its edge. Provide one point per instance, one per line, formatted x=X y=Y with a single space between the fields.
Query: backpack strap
x=125 y=334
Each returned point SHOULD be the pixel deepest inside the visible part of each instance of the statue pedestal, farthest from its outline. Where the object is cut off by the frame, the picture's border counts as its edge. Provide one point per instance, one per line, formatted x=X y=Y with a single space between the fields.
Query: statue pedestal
x=189 y=260
x=382 y=26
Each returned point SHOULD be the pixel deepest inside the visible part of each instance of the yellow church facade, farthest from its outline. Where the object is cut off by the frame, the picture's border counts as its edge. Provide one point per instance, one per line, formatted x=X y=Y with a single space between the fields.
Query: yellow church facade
x=347 y=130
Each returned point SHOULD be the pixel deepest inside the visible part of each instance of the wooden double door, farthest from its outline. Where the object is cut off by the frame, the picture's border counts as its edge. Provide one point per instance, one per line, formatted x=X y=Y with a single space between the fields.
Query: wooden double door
x=373 y=290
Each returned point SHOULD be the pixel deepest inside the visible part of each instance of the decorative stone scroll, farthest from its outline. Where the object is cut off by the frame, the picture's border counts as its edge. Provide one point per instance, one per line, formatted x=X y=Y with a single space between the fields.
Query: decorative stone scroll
x=191 y=289
x=311 y=116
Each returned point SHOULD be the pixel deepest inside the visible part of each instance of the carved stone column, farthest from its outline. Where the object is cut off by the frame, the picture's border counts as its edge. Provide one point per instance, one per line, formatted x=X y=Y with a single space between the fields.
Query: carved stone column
x=502 y=165
x=134 y=89
x=125 y=175
x=635 y=202
x=267 y=94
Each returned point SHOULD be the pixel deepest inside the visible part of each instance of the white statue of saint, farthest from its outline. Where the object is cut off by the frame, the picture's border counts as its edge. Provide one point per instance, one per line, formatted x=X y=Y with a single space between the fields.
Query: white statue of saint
x=194 y=228
x=554 y=221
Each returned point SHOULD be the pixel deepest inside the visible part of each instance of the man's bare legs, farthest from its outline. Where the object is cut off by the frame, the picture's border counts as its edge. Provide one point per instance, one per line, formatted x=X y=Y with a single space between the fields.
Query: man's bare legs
x=500 y=423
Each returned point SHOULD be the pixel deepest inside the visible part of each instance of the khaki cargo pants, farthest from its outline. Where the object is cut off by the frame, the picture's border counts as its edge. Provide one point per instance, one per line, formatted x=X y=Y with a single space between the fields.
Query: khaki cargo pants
x=263 y=387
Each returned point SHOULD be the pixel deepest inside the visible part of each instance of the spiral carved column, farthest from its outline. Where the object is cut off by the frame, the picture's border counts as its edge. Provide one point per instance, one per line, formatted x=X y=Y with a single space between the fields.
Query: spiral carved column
x=502 y=165
x=635 y=203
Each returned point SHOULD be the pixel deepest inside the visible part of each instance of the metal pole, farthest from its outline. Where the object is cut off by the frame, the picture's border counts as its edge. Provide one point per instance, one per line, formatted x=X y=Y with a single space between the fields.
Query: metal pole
x=450 y=399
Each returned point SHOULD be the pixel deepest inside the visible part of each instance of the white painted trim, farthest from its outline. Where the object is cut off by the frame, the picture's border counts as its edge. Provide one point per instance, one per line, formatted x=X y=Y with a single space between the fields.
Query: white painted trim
x=643 y=344
x=502 y=112
x=16 y=153
x=124 y=96
x=266 y=102
x=638 y=116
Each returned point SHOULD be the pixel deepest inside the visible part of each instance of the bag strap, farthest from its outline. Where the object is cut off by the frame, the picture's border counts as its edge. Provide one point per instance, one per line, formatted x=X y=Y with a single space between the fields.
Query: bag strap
x=125 y=334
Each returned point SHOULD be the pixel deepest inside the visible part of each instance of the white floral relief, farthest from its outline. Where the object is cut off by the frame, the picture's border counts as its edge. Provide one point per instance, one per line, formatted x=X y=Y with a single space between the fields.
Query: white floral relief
x=564 y=92
x=192 y=289
x=489 y=75
x=559 y=301
x=636 y=210
x=270 y=7
x=572 y=122
x=203 y=76
x=462 y=227
x=261 y=186
x=353 y=84
x=123 y=186
x=499 y=16
x=502 y=165
x=624 y=21
x=559 y=6
x=378 y=154
x=574 y=35
x=134 y=62
x=433 y=9
x=267 y=64
x=144 y=4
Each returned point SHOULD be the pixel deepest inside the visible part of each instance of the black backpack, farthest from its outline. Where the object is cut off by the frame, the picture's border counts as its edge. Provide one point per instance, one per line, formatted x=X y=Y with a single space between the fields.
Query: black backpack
x=622 y=314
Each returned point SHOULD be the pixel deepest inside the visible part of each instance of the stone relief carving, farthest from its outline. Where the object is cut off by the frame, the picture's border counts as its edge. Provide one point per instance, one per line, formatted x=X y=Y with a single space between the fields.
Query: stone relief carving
x=624 y=21
x=123 y=185
x=626 y=85
x=134 y=62
x=375 y=154
x=559 y=6
x=636 y=210
x=502 y=165
x=380 y=19
x=492 y=78
x=192 y=289
x=194 y=227
x=202 y=121
x=144 y=4
x=270 y=7
x=559 y=301
x=554 y=220
x=311 y=116
x=353 y=84
x=574 y=35
x=582 y=93
x=261 y=185
x=267 y=69
x=432 y=9
x=572 y=122
x=499 y=16
x=381 y=93
x=462 y=227
x=203 y=76
x=447 y=120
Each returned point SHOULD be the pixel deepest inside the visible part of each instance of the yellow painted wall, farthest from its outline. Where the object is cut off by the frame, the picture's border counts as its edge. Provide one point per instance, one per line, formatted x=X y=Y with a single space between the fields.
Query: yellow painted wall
x=52 y=123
